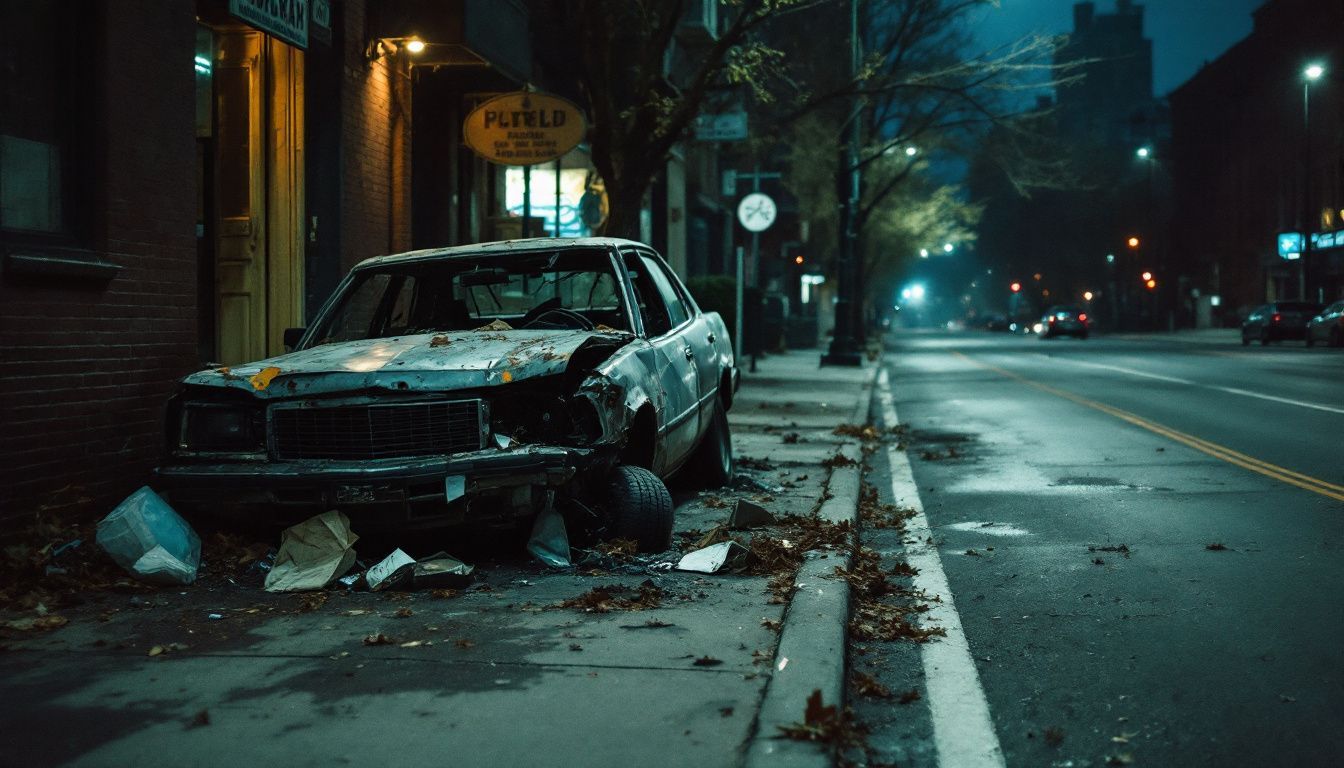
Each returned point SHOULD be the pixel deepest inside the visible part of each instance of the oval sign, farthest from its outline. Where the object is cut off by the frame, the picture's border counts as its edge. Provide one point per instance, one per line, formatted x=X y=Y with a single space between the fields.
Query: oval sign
x=524 y=128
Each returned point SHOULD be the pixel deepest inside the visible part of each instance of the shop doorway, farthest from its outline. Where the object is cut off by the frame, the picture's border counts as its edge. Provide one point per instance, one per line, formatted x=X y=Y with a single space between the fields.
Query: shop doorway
x=251 y=176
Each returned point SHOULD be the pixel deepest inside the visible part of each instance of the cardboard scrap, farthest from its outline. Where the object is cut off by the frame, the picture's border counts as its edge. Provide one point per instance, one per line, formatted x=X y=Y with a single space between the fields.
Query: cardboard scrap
x=313 y=553
x=746 y=514
x=715 y=558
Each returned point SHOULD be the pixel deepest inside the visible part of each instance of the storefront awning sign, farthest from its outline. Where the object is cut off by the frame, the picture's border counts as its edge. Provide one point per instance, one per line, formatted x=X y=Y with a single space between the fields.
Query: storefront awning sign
x=1290 y=245
x=524 y=128
x=285 y=19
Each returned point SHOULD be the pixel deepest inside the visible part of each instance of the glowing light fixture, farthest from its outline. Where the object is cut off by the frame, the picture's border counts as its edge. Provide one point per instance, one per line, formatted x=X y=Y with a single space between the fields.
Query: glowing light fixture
x=947 y=247
x=1132 y=242
x=1087 y=295
x=1143 y=153
x=911 y=151
x=415 y=45
x=1313 y=72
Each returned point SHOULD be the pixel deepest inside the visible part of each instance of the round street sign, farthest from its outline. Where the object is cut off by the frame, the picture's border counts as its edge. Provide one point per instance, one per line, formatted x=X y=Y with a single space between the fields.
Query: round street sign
x=524 y=128
x=756 y=212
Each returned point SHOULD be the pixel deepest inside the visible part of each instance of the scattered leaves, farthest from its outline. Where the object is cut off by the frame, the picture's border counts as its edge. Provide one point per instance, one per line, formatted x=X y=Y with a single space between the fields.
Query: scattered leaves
x=404 y=613
x=378 y=638
x=200 y=719
x=617 y=597
x=1117 y=548
x=707 y=661
x=908 y=697
x=867 y=685
x=311 y=601
x=1216 y=546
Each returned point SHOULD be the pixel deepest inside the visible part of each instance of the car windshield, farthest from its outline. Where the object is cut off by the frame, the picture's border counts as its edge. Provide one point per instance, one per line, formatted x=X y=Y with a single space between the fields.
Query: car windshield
x=464 y=293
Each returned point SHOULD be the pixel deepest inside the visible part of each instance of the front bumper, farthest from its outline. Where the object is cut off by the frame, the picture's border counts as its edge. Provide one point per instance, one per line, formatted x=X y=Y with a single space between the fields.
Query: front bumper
x=483 y=486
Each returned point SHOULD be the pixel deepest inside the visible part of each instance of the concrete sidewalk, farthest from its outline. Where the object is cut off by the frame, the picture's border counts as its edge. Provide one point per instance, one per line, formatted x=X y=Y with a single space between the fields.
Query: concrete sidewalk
x=1187 y=336
x=501 y=674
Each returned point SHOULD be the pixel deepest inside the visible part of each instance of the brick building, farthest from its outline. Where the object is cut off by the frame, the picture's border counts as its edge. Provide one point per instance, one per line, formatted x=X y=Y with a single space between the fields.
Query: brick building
x=180 y=182
x=1246 y=169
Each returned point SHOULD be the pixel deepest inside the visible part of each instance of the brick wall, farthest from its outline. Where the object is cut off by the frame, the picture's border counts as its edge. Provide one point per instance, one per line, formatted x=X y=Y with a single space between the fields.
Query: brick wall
x=376 y=131
x=85 y=368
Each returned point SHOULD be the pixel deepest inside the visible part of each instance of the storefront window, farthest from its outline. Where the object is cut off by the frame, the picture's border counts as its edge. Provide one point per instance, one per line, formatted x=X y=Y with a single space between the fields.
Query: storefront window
x=33 y=96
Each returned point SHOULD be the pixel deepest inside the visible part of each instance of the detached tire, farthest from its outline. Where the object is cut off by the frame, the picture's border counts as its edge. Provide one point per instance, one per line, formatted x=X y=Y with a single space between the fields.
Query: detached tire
x=639 y=508
x=712 y=463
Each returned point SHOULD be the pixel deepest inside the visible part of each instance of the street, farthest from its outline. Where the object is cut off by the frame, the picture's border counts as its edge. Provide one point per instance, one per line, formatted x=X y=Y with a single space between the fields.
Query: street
x=1142 y=540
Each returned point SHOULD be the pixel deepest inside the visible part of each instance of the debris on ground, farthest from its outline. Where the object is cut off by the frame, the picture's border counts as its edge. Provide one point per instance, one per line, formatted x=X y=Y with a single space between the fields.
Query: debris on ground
x=883 y=610
x=313 y=553
x=867 y=432
x=727 y=555
x=617 y=597
x=160 y=650
x=149 y=539
x=867 y=685
x=825 y=723
x=707 y=661
x=747 y=462
x=378 y=638
x=200 y=719
x=908 y=697
x=746 y=514
x=441 y=573
x=650 y=624
x=495 y=325
x=838 y=460
x=1216 y=546
x=791 y=438
x=1054 y=736
x=549 y=542
x=50 y=621
x=379 y=575
x=1117 y=548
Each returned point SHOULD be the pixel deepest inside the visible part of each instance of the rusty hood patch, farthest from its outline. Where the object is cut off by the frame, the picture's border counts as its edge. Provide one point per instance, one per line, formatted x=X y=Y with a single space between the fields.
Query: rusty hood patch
x=423 y=362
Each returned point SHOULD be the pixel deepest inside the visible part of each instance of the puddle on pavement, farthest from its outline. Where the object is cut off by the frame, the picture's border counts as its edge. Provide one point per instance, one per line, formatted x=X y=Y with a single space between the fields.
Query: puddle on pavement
x=989 y=529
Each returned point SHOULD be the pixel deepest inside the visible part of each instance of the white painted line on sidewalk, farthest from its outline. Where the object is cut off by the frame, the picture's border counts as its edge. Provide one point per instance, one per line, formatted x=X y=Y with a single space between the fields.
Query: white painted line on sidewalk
x=1229 y=390
x=963 y=734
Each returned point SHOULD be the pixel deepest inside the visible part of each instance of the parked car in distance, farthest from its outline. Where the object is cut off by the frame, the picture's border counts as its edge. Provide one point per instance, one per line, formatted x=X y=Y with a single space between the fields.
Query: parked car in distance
x=475 y=385
x=1278 y=321
x=1062 y=321
x=1328 y=326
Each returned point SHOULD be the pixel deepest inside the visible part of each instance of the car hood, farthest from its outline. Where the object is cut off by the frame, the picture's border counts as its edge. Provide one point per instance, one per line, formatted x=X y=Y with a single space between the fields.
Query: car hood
x=422 y=362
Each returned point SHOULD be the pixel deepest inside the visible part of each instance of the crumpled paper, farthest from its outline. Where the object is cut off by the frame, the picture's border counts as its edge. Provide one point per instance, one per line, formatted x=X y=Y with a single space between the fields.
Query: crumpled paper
x=313 y=553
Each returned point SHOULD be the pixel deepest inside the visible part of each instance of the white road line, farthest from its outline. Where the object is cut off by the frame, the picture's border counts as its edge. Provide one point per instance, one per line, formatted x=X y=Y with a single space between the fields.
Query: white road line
x=962 y=731
x=1229 y=390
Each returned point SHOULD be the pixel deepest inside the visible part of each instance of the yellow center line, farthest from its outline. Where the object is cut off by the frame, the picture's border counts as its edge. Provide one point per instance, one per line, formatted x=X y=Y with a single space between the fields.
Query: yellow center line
x=1259 y=466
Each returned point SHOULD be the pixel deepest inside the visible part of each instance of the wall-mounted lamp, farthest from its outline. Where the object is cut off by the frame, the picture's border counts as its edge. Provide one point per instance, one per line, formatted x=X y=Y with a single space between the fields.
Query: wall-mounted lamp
x=390 y=46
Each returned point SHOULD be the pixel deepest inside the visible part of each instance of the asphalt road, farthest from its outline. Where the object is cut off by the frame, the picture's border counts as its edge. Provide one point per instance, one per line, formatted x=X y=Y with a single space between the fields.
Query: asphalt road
x=1074 y=489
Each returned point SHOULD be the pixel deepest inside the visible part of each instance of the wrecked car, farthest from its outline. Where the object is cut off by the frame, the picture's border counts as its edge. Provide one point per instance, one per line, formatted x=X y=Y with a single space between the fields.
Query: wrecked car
x=470 y=385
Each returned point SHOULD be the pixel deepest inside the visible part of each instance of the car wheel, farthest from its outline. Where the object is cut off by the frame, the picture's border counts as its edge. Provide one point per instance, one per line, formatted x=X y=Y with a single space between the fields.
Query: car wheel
x=712 y=461
x=639 y=508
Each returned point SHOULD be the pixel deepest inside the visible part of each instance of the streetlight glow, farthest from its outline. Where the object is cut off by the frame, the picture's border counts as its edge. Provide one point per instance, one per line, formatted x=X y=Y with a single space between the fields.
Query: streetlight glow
x=947 y=247
x=1143 y=153
x=1313 y=72
x=1133 y=242
x=415 y=45
x=911 y=151
x=923 y=253
x=1087 y=295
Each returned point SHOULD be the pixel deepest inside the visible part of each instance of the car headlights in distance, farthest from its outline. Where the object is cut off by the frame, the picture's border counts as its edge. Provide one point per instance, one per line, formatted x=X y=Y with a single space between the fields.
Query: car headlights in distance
x=221 y=429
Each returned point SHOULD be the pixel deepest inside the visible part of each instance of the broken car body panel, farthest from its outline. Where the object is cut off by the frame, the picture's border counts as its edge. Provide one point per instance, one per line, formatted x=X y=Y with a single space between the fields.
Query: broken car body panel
x=435 y=409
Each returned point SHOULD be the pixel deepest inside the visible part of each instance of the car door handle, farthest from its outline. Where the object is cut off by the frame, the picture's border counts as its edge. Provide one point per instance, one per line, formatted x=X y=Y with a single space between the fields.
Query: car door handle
x=712 y=337
x=690 y=354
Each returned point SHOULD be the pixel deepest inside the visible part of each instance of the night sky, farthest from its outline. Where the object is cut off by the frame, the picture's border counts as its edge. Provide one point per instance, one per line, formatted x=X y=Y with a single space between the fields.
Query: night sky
x=1185 y=33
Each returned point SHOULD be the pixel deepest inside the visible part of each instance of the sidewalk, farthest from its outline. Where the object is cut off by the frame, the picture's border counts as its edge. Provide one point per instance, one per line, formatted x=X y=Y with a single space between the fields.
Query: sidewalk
x=501 y=674
x=1186 y=336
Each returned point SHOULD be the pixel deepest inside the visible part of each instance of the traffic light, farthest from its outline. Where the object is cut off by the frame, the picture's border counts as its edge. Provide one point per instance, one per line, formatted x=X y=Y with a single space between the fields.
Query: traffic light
x=1151 y=283
x=1133 y=242
x=1016 y=287
x=798 y=259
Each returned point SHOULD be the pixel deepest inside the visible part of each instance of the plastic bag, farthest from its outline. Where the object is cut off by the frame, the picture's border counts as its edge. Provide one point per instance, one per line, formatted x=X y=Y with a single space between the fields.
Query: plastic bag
x=146 y=537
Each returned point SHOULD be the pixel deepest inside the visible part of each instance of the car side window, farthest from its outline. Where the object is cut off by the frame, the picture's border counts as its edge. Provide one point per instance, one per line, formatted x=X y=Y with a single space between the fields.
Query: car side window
x=676 y=308
x=648 y=298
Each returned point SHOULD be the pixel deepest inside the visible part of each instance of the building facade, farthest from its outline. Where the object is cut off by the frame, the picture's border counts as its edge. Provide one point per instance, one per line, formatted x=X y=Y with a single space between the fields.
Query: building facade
x=180 y=182
x=1258 y=153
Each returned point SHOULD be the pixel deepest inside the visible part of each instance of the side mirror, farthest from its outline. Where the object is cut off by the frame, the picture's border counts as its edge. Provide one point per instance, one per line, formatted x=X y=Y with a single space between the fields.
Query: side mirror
x=292 y=338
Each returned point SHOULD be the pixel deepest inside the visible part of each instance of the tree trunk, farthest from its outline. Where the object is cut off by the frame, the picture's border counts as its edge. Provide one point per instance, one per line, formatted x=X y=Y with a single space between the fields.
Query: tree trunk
x=625 y=199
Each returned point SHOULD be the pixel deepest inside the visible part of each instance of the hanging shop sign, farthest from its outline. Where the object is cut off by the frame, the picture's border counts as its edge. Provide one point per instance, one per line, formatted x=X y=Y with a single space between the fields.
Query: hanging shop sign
x=524 y=128
x=285 y=19
x=726 y=126
x=1290 y=246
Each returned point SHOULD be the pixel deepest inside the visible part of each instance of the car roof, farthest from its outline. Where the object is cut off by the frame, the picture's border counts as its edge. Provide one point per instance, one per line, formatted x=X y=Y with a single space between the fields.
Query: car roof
x=530 y=245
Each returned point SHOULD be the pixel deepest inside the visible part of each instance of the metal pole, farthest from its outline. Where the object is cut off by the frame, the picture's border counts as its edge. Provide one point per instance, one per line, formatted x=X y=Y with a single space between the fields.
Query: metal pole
x=557 y=197
x=737 y=321
x=843 y=350
x=527 y=201
x=1304 y=284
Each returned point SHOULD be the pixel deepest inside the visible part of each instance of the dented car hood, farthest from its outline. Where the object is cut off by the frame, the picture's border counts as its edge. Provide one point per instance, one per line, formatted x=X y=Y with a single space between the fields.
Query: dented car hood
x=421 y=362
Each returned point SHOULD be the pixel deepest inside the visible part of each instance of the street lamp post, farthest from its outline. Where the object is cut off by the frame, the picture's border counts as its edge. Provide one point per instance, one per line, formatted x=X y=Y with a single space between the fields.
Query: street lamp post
x=844 y=348
x=1309 y=75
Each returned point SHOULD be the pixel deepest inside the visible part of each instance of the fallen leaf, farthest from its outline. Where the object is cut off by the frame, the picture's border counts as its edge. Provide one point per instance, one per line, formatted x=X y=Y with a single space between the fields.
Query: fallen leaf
x=201 y=718
x=867 y=685
x=1216 y=547
x=463 y=642
x=909 y=696
x=707 y=661
x=378 y=638
x=404 y=613
x=575 y=647
x=1054 y=736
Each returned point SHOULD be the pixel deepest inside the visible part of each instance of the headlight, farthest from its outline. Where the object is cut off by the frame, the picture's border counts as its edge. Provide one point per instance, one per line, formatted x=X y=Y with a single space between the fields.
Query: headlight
x=221 y=429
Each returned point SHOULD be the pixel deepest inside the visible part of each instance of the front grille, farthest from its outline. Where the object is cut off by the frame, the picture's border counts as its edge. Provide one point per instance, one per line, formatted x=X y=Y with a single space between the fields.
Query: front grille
x=377 y=431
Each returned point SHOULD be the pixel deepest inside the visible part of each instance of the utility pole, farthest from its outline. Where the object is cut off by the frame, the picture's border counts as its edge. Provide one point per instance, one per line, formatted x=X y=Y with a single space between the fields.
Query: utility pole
x=843 y=349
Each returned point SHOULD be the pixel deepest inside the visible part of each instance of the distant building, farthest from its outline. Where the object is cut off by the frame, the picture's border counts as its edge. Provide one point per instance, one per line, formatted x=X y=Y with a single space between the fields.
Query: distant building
x=1113 y=102
x=1240 y=159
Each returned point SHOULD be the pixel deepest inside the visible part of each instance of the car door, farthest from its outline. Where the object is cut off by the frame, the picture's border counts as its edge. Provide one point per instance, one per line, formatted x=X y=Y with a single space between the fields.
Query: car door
x=700 y=336
x=665 y=320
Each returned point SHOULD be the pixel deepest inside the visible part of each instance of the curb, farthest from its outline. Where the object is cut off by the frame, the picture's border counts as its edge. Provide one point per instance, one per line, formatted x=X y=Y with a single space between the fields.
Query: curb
x=811 y=653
